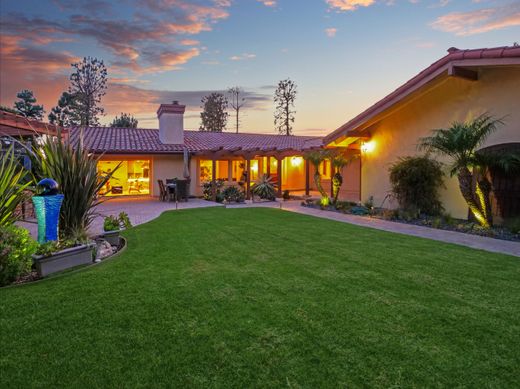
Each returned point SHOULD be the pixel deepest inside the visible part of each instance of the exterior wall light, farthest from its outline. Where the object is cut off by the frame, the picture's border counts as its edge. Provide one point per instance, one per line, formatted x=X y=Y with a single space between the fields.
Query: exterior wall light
x=296 y=161
x=368 y=147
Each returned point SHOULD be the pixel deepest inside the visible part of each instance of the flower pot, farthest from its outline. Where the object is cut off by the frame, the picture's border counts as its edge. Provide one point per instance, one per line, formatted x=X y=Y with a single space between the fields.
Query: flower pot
x=112 y=237
x=64 y=259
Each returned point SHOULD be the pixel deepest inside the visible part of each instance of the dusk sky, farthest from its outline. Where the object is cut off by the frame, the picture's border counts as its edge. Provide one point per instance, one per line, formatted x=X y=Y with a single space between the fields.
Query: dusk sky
x=344 y=55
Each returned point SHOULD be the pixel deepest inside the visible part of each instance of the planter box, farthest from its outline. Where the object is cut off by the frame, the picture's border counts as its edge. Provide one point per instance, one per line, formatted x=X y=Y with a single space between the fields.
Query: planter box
x=112 y=237
x=64 y=259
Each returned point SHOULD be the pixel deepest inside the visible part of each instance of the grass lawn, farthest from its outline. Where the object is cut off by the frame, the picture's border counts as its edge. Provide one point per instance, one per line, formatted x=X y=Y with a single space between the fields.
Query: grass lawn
x=267 y=298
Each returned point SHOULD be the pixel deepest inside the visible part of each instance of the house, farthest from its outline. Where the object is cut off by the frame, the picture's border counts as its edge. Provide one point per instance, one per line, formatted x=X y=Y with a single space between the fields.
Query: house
x=458 y=87
x=148 y=155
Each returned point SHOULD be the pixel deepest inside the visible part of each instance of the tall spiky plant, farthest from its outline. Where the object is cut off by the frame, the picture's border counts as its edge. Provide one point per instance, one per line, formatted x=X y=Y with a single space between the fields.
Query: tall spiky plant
x=12 y=186
x=460 y=143
x=75 y=170
x=316 y=157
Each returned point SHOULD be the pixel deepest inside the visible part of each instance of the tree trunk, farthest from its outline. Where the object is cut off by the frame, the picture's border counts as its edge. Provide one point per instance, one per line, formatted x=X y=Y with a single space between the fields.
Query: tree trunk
x=483 y=193
x=466 y=189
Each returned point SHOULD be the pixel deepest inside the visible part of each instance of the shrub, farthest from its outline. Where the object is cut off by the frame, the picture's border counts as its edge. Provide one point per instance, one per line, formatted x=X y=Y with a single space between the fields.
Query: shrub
x=286 y=195
x=264 y=188
x=207 y=191
x=76 y=172
x=113 y=223
x=16 y=248
x=513 y=225
x=232 y=194
x=415 y=184
x=11 y=187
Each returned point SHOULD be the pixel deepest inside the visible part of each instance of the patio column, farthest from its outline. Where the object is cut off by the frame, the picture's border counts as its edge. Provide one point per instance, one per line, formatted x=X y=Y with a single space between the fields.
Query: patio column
x=268 y=166
x=248 y=178
x=307 y=184
x=213 y=182
x=230 y=171
x=279 y=173
x=331 y=177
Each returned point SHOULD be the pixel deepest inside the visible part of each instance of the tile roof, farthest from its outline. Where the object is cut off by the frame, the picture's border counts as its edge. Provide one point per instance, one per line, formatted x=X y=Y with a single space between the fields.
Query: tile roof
x=15 y=125
x=474 y=57
x=139 y=140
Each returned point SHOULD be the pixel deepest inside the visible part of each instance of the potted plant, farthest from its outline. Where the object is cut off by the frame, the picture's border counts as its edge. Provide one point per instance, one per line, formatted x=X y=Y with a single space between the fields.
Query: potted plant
x=113 y=225
x=53 y=256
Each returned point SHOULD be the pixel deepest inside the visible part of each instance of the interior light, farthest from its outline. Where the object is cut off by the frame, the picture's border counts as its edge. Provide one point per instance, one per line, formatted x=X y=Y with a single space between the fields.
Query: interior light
x=296 y=161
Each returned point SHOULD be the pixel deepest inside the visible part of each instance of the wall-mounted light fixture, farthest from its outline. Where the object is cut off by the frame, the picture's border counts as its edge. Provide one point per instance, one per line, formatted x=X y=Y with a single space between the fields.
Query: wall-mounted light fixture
x=296 y=161
x=368 y=147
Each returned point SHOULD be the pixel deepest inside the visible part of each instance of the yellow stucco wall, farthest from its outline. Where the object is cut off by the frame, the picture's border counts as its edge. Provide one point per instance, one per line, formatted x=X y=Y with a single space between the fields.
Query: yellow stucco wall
x=166 y=167
x=497 y=92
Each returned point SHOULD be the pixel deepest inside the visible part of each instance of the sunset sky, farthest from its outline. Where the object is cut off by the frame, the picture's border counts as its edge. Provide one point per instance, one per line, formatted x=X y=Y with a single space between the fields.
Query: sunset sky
x=344 y=55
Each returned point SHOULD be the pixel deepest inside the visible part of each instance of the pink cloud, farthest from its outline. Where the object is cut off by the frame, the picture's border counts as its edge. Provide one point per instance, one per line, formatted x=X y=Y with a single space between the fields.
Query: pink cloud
x=479 y=21
x=349 y=5
x=331 y=32
x=268 y=3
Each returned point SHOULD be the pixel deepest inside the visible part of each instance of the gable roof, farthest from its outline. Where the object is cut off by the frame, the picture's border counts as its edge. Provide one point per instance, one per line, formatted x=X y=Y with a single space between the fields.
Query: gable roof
x=113 y=140
x=449 y=64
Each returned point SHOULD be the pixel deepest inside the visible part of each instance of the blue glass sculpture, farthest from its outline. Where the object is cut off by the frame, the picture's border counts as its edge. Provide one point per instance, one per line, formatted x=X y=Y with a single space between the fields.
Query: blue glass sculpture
x=47 y=208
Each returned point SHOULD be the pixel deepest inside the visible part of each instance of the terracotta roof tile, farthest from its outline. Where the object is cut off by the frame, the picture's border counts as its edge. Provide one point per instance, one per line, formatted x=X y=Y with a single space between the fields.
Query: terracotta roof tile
x=140 y=140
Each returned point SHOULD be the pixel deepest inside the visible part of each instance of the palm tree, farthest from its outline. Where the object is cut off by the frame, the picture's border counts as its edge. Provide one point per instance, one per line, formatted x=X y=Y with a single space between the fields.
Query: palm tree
x=460 y=143
x=316 y=157
x=338 y=162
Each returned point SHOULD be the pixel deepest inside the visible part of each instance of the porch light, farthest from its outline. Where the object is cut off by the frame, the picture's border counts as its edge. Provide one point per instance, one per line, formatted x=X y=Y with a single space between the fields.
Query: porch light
x=368 y=147
x=296 y=161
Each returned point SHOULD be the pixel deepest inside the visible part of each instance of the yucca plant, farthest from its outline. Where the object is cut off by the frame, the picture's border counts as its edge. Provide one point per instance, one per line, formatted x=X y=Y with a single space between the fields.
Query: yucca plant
x=460 y=143
x=75 y=170
x=264 y=188
x=13 y=183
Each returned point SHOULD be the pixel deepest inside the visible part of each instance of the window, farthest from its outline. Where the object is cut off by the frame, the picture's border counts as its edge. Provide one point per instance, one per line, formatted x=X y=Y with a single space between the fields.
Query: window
x=131 y=178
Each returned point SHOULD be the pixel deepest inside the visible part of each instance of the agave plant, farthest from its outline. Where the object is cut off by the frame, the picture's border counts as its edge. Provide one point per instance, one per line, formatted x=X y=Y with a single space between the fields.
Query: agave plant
x=13 y=182
x=460 y=143
x=76 y=172
x=264 y=188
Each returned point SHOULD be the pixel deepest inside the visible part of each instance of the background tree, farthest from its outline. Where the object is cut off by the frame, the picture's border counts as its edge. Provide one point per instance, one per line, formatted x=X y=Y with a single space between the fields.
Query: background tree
x=284 y=97
x=65 y=114
x=214 y=116
x=25 y=105
x=124 y=121
x=460 y=143
x=88 y=85
x=237 y=102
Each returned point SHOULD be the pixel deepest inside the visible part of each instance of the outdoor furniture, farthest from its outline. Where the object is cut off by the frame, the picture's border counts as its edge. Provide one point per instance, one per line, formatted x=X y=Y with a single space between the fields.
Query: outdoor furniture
x=163 y=194
x=181 y=190
x=171 y=187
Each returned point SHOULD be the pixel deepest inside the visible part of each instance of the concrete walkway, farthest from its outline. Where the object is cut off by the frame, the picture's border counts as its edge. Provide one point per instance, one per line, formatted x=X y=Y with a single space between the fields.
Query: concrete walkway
x=140 y=210
x=474 y=241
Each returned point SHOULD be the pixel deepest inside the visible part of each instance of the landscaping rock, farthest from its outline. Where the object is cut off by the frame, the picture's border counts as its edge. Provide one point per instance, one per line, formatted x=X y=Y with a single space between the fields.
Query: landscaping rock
x=104 y=249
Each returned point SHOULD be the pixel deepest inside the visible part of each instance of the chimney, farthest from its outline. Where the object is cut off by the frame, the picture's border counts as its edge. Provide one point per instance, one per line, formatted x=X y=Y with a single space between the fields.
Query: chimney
x=171 y=123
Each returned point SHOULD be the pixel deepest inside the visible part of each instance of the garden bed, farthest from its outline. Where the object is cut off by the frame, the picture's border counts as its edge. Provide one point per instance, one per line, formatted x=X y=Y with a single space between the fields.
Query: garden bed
x=445 y=222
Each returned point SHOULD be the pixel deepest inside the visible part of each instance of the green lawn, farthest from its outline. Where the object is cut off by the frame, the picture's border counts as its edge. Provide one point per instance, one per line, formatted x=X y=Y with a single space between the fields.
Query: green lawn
x=266 y=298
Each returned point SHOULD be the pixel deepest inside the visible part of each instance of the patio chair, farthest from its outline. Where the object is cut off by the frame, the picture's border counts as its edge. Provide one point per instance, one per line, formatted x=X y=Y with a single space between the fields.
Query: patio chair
x=181 y=191
x=163 y=194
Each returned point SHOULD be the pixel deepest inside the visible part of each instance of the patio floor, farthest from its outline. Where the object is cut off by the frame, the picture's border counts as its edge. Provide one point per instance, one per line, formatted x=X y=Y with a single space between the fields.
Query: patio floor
x=140 y=209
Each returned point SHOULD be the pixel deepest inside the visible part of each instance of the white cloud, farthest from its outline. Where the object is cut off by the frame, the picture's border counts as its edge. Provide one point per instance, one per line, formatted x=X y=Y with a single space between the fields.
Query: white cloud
x=242 y=57
x=268 y=3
